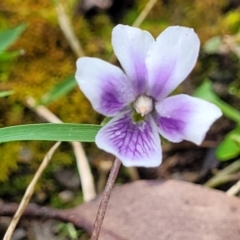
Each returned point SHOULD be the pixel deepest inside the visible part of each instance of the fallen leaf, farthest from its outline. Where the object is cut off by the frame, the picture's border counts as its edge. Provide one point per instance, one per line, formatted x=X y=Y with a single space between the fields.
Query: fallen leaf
x=164 y=210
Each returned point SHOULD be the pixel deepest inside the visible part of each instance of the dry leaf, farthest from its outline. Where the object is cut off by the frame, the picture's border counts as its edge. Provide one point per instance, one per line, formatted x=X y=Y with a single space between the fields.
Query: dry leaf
x=167 y=210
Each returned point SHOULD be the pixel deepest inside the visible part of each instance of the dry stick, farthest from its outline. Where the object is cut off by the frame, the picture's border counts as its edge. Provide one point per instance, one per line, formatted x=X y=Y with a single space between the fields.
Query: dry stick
x=105 y=198
x=234 y=190
x=67 y=30
x=225 y=175
x=133 y=173
x=84 y=170
x=144 y=13
x=85 y=173
x=225 y=179
x=29 y=192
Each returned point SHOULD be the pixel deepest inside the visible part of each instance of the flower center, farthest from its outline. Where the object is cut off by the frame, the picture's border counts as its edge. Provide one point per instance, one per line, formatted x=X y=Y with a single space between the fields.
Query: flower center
x=143 y=105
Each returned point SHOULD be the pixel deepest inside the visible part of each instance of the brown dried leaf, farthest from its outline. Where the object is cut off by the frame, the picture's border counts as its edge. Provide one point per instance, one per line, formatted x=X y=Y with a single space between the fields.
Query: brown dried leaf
x=164 y=210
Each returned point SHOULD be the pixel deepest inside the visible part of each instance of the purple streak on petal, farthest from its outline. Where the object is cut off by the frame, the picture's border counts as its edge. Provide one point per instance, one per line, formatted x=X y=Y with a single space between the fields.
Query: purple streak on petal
x=135 y=144
x=131 y=45
x=112 y=100
x=162 y=74
x=170 y=60
x=170 y=125
x=131 y=138
x=172 y=118
x=105 y=85
x=140 y=78
x=182 y=117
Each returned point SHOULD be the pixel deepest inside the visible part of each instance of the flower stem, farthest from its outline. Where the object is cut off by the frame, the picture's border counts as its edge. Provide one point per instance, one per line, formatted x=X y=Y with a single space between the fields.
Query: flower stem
x=105 y=199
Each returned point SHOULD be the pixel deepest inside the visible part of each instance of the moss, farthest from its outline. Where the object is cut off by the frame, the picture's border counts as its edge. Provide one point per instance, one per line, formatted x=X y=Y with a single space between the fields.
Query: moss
x=9 y=153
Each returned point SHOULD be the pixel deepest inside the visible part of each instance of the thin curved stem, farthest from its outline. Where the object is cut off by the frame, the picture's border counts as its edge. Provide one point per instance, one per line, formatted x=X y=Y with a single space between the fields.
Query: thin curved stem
x=234 y=190
x=144 y=13
x=29 y=192
x=105 y=199
x=223 y=175
x=68 y=31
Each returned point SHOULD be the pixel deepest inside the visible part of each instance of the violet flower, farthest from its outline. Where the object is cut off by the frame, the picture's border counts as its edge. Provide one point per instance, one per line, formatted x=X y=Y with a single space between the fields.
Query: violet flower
x=137 y=98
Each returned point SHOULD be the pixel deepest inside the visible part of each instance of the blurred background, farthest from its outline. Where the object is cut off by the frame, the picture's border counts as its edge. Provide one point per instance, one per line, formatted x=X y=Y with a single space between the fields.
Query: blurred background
x=37 y=60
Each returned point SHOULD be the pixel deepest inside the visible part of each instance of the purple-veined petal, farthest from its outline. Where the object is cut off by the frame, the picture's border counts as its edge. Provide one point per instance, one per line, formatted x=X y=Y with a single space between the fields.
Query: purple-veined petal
x=130 y=46
x=170 y=59
x=182 y=117
x=105 y=85
x=135 y=144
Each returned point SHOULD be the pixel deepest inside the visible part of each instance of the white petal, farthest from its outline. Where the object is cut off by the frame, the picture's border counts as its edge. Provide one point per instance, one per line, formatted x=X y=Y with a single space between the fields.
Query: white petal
x=182 y=117
x=171 y=59
x=105 y=85
x=130 y=46
x=135 y=144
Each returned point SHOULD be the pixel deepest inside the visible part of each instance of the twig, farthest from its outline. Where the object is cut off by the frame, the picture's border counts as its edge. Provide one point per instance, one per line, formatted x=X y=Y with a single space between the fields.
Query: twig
x=105 y=198
x=34 y=211
x=84 y=170
x=85 y=173
x=225 y=179
x=104 y=167
x=67 y=30
x=29 y=192
x=144 y=13
x=224 y=175
x=234 y=190
x=133 y=173
x=138 y=21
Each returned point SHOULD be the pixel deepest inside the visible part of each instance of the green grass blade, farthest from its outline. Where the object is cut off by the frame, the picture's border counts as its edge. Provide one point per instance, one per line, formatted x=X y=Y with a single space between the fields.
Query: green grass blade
x=59 y=90
x=9 y=36
x=6 y=93
x=229 y=148
x=50 y=132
